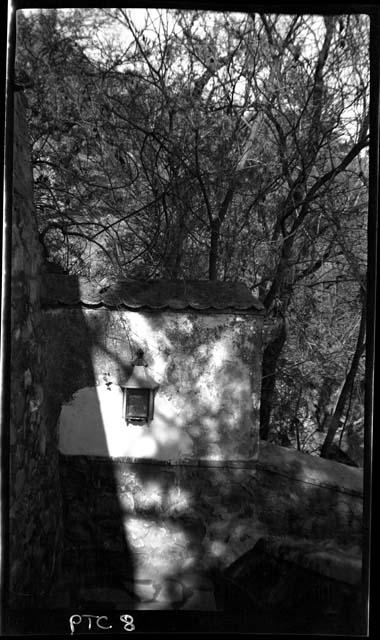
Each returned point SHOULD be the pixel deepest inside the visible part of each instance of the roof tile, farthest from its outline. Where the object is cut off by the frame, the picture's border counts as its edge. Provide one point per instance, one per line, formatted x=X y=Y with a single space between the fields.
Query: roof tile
x=63 y=290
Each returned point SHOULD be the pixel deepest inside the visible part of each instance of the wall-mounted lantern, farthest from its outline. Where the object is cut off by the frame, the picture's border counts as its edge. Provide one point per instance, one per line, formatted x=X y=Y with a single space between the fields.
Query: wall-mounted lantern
x=139 y=392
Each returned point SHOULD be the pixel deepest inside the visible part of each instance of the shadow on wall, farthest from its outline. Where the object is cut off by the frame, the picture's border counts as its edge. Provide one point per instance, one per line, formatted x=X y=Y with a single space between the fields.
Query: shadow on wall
x=184 y=524
x=187 y=524
x=96 y=550
x=200 y=410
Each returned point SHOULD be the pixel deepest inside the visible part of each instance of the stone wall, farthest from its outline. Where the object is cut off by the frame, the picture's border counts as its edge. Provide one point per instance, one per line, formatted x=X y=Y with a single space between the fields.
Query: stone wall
x=208 y=367
x=35 y=502
x=181 y=523
x=309 y=497
x=157 y=529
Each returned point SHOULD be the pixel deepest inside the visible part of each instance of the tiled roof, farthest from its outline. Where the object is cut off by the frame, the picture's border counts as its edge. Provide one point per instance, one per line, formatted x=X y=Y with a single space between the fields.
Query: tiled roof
x=62 y=290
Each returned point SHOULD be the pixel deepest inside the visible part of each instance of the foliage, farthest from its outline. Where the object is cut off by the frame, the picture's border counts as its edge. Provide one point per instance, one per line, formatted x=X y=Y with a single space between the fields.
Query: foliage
x=195 y=144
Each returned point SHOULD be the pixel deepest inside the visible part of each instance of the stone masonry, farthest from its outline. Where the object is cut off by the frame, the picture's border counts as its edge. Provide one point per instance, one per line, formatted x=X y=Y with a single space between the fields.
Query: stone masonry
x=184 y=523
x=35 y=504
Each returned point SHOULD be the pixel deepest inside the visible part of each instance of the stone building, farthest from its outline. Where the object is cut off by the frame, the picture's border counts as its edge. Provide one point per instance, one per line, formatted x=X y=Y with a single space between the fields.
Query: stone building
x=175 y=423
x=136 y=478
x=201 y=344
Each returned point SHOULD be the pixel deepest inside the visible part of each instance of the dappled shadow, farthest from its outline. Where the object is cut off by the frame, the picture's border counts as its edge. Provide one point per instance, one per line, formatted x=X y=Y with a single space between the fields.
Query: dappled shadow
x=166 y=531
x=96 y=550
x=179 y=516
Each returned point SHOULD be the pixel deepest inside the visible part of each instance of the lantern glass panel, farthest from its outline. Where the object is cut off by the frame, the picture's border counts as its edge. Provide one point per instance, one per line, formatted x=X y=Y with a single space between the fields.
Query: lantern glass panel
x=137 y=405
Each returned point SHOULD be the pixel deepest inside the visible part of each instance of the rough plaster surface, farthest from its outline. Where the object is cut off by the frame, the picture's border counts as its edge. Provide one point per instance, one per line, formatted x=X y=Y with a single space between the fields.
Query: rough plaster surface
x=207 y=366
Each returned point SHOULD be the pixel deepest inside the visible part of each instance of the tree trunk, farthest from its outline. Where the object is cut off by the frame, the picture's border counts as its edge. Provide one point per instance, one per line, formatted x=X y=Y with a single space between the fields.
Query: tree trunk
x=280 y=290
x=325 y=406
x=271 y=355
x=214 y=250
x=174 y=258
x=346 y=389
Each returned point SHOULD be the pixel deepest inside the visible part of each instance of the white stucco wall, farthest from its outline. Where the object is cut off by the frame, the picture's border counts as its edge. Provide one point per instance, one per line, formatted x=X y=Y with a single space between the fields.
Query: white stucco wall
x=93 y=424
x=205 y=407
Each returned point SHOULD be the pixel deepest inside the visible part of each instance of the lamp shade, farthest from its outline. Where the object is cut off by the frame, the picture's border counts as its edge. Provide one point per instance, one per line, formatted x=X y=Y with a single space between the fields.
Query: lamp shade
x=140 y=379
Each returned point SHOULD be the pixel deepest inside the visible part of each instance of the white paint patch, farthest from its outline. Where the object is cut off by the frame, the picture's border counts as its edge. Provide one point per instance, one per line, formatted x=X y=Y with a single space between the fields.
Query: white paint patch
x=187 y=326
x=93 y=424
x=145 y=333
x=219 y=354
x=204 y=395
x=168 y=428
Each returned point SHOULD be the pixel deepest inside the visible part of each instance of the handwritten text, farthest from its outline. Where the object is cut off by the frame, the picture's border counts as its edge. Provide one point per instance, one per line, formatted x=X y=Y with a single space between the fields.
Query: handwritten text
x=100 y=622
